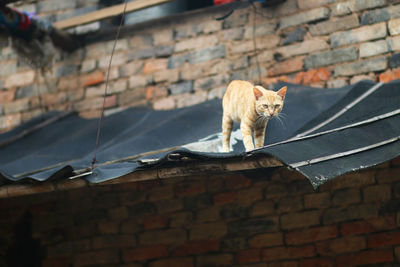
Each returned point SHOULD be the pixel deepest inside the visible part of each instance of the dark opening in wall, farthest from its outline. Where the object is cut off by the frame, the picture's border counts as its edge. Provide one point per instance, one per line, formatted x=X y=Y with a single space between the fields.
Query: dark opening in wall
x=24 y=251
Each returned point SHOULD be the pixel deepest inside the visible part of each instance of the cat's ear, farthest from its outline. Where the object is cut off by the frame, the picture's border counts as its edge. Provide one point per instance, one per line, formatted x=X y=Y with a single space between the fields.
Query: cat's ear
x=257 y=93
x=282 y=92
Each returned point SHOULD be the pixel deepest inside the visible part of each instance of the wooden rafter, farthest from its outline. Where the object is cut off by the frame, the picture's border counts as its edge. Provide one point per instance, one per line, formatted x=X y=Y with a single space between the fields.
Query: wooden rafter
x=107 y=13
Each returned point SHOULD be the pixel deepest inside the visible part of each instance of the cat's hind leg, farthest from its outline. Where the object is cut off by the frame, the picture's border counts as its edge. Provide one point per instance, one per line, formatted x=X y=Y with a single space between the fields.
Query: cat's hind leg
x=227 y=125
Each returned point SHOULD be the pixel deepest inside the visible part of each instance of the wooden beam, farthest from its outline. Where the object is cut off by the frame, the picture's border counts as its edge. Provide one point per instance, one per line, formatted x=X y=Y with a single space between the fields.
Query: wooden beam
x=107 y=13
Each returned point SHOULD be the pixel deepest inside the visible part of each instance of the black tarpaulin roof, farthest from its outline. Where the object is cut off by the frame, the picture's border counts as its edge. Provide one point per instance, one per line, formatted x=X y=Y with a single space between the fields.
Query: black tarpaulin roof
x=324 y=133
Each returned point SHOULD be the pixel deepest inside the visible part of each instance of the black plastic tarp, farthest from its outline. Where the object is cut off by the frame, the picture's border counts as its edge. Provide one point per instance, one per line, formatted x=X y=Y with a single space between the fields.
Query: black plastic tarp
x=67 y=144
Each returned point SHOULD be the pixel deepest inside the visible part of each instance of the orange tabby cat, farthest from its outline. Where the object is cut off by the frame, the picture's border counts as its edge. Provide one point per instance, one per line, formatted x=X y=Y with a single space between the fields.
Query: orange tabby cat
x=252 y=106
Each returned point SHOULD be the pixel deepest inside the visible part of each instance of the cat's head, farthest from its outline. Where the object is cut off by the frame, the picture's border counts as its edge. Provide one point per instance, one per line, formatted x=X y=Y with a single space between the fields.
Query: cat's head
x=269 y=103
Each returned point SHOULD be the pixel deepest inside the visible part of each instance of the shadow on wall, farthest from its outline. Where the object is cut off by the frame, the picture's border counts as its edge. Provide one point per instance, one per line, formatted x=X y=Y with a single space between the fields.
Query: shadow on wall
x=25 y=251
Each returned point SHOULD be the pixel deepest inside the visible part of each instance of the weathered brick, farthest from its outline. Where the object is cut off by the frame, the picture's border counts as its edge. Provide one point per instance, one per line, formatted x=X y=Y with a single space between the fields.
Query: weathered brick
x=165 y=103
x=113 y=241
x=16 y=106
x=92 y=78
x=345 y=8
x=215 y=260
x=155 y=65
x=365 y=257
x=19 y=79
x=8 y=68
x=262 y=208
x=208 y=231
x=172 y=262
x=317 y=262
x=305 y=47
x=260 y=30
x=233 y=212
x=118 y=59
x=299 y=220
x=287 y=66
x=350 y=180
x=210 y=82
x=387 y=239
x=341 y=245
x=236 y=20
x=377 y=193
x=207 y=54
x=290 y=204
x=224 y=198
x=364 y=211
x=248 y=256
x=254 y=225
x=164 y=50
x=196 y=247
x=362 y=34
x=330 y=57
x=168 y=75
x=280 y=253
x=98 y=257
x=211 y=214
x=161 y=37
x=368 y=226
x=200 y=42
x=54 y=5
x=334 y=25
x=266 y=240
x=294 y=36
x=358 y=78
x=304 y=17
x=374 y=48
x=265 y=42
x=170 y=237
x=394 y=27
x=145 y=253
x=7 y=96
x=347 y=196
x=375 y=16
x=349 y=69
x=311 y=235
x=189 y=189
x=317 y=200
x=306 y=4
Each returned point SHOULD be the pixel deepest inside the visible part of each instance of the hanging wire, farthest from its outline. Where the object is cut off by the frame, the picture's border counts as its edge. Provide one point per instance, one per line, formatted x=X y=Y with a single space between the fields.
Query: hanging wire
x=94 y=160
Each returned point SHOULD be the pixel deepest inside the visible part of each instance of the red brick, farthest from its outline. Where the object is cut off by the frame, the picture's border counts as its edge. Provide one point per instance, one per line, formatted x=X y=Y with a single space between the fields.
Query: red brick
x=287 y=66
x=98 y=257
x=167 y=236
x=317 y=200
x=113 y=241
x=341 y=245
x=189 y=189
x=365 y=257
x=108 y=227
x=64 y=261
x=173 y=262
x=317 y=262
x=92 y=78
x=377 y=193
x=368 y=226
x=224 y=198
x=248 y=255
x=389 y=75
x=299 y=219
x=145 y=253
x=281 y=264
x=153 y=92
x=267 y=81
x=351 y=180
x=384 y=239
x=197 y=247
x=346 y=197
x=155 y=222
x=7 y=96
x=266 y=240
x=155 y=65
x=236 y=182
x=215 y=260
x=311 y=235
x=208 y=231
x=280 y=253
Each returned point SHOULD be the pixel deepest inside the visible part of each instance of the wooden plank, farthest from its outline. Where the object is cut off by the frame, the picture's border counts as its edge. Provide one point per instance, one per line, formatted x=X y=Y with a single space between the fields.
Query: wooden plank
x=107 y=13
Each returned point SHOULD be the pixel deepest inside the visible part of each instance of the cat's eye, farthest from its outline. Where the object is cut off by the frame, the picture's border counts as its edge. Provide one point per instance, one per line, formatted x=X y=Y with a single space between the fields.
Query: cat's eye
x=265 y=106
x=277 y=106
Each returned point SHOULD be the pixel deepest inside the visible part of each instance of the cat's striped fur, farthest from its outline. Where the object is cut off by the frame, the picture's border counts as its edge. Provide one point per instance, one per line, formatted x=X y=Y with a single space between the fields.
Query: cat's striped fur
x=252 y=106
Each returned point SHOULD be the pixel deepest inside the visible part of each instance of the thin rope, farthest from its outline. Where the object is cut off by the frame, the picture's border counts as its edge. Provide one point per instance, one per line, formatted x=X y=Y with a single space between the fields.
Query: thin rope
x=254 y=41
x=105 y=90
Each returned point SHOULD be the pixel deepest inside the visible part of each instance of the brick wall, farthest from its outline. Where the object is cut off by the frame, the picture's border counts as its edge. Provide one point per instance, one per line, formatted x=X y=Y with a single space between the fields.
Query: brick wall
x=191 y=58
x=269 y=217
